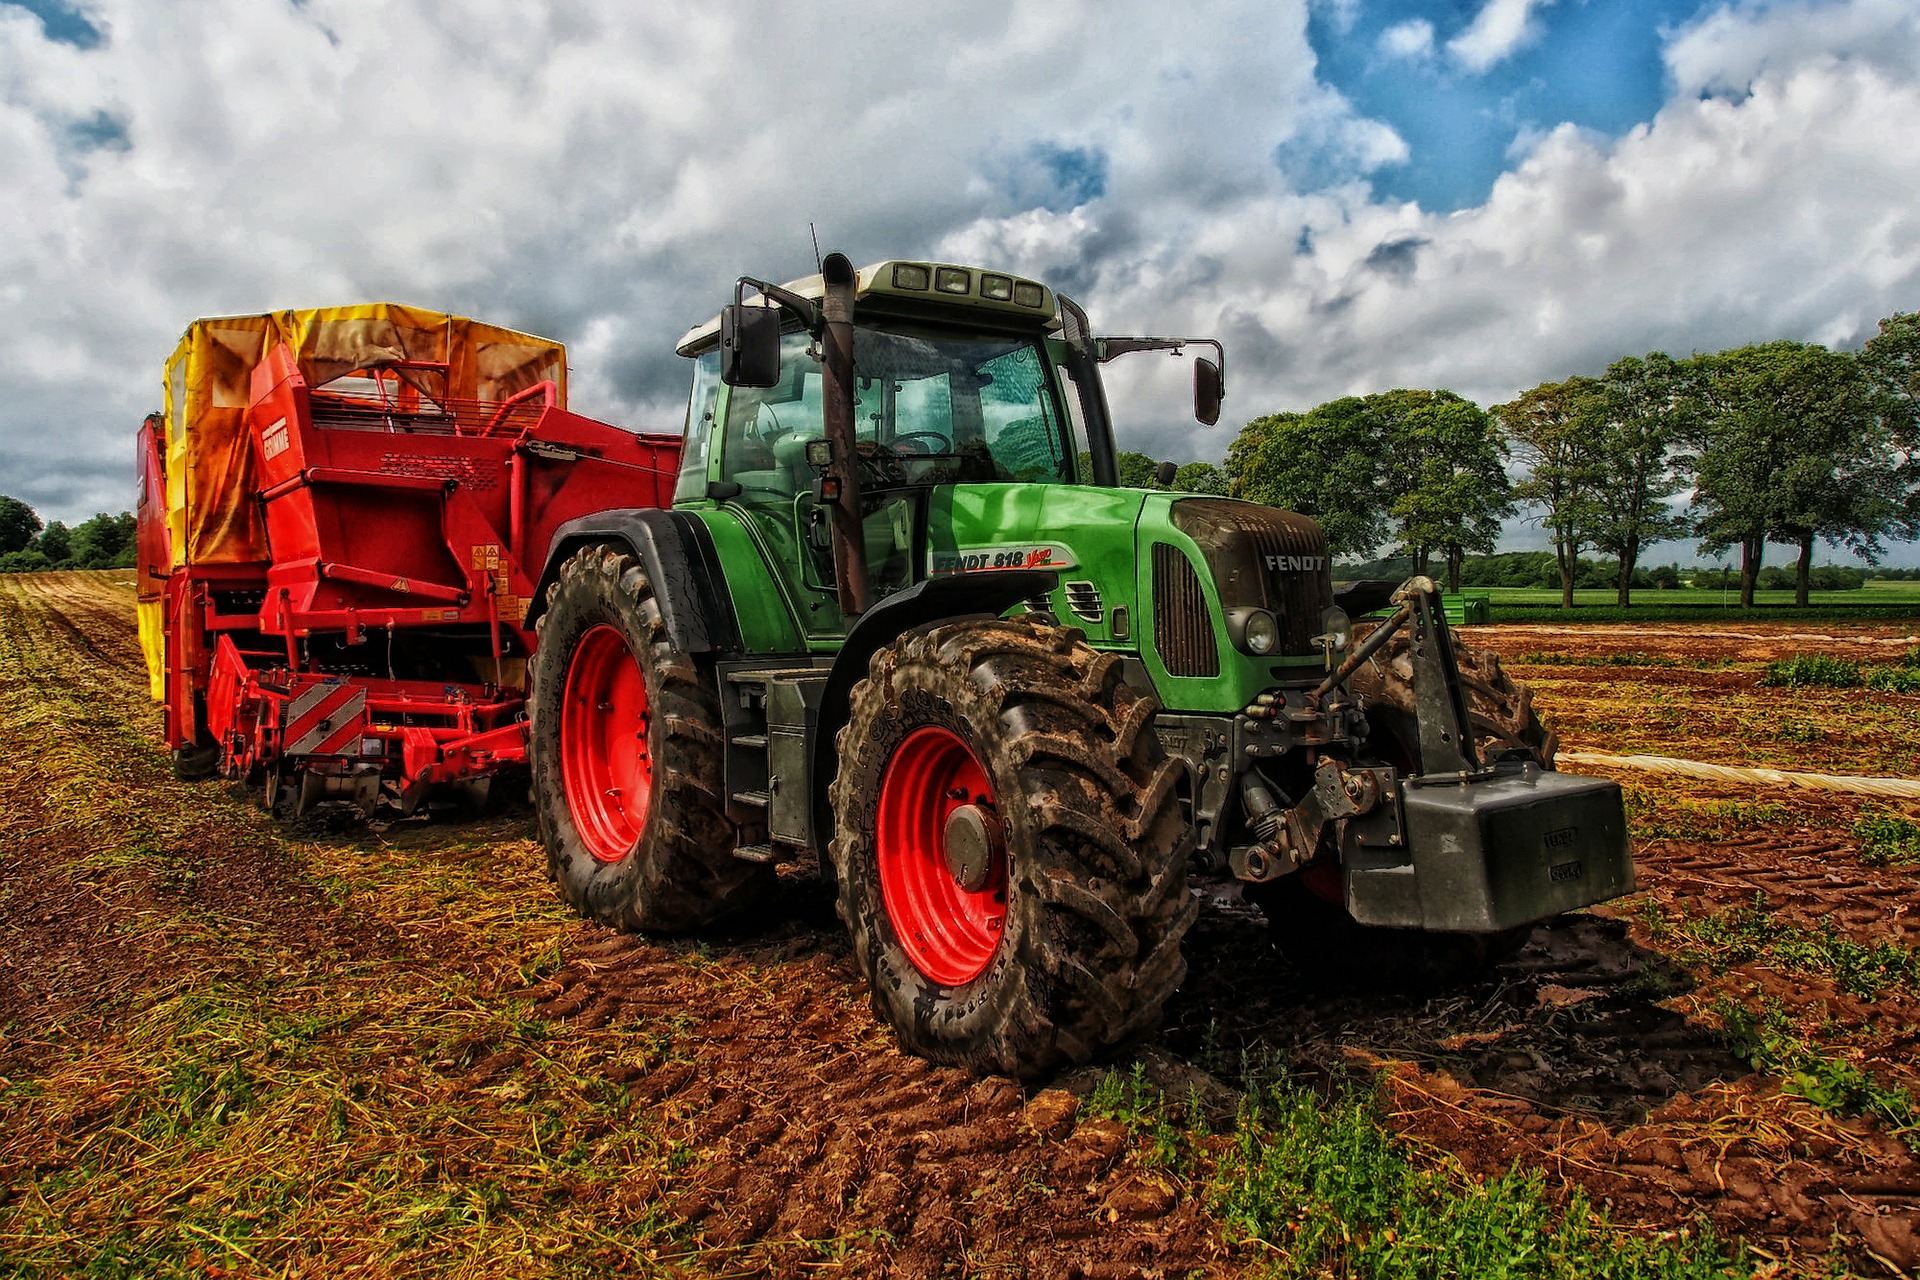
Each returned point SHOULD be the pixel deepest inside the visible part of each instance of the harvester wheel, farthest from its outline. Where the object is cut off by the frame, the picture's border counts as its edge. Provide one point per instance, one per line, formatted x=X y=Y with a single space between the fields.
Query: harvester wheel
x=194 y=764
x=626 y=757
x=1010 y=850
x=1311 y=926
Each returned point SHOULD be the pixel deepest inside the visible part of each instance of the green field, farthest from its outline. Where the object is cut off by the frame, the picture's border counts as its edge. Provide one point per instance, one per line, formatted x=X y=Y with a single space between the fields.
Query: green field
x=1880 y=599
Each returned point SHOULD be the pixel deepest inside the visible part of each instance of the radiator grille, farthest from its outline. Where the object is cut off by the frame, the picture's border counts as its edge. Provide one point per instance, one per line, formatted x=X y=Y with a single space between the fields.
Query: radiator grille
x=1263 y=558
x=1182 y=628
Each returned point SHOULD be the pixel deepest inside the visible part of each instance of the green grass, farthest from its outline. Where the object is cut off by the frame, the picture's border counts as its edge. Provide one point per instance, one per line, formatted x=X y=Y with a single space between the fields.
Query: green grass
x=1597 y=660
x=1654 y=815
x=1879 y=600
x=1822 y=671
x=1323 y=1183
x=1812 y=671
x=1835 y=1085
x=1752 y=932
x=1887 y=839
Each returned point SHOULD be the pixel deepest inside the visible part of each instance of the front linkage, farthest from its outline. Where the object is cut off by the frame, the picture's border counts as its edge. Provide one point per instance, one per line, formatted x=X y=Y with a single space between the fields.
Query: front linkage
x=1439 y=839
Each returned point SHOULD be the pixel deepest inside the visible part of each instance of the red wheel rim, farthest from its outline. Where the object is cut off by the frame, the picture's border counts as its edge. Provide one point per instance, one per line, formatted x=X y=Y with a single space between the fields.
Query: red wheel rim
x=947 y=931
x=606 y=765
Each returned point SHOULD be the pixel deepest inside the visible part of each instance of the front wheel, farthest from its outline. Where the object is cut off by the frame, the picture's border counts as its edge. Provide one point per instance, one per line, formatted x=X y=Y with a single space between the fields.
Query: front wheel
x=626 y=758
x=1009 y=847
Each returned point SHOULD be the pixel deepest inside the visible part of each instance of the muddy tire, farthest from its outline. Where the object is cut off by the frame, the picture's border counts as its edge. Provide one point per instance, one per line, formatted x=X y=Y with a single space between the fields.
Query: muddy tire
x=195 y=764
x=625 y=749
x=1311 y=927
x=1500 y=707
x=1063 y=938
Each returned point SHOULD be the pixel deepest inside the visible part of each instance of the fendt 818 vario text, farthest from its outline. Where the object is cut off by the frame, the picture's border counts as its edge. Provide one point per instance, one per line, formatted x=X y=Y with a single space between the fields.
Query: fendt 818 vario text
x=895 y=624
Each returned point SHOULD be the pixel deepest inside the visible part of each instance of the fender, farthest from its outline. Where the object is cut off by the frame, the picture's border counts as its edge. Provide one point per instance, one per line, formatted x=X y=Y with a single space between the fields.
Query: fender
x=678 y=555
x=960 y=595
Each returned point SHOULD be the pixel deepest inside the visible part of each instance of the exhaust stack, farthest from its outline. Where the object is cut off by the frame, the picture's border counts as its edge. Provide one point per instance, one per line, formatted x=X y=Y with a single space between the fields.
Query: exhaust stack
x=837 y=408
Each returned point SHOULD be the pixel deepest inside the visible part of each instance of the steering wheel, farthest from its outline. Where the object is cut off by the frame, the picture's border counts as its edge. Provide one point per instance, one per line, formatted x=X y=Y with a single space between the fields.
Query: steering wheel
x=880 y=466
x=940 y=443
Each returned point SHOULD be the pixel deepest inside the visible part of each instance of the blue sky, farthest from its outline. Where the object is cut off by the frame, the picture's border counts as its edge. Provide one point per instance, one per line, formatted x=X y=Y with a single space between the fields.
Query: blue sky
x=1592 y=63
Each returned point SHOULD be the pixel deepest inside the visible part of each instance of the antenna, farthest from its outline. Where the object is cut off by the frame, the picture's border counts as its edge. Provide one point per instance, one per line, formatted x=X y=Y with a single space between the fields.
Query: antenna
x=816 y=249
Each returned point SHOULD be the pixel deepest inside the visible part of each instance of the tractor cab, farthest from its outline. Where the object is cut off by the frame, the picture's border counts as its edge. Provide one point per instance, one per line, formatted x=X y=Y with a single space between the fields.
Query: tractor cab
x=960 y=377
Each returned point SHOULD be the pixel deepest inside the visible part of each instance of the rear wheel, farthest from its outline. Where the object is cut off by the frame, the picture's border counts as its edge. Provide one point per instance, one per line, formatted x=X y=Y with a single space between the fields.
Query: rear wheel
x=1010 y=851
x=1307 y=910
x=626 y=757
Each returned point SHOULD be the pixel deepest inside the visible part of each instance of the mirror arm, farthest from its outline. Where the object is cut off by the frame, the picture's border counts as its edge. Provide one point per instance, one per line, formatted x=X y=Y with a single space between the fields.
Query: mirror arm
x=1109 y=349
x=807 y=311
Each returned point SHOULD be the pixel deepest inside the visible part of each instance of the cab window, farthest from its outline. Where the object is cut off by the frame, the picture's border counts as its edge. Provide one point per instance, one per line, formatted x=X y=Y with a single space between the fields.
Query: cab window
x=692 y=484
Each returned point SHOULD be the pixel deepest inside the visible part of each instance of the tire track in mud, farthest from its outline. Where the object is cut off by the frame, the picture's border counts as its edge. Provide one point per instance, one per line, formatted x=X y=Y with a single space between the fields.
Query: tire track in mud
x=97 y=835
x=802 y=1112
x=792 y=1118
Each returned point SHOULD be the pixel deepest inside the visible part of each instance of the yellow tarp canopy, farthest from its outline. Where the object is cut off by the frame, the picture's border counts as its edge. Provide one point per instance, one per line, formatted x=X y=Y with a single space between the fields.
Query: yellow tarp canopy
x=211 y=513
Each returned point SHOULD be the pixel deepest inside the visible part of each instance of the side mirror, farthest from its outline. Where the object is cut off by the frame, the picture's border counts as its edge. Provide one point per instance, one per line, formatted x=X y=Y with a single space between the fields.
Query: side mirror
x=1164 y=473
x=1208 y=389
x=750 y=346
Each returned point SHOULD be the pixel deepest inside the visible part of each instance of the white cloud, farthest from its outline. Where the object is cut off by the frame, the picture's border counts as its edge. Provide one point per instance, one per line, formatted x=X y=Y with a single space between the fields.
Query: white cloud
x=605 y=178
x=1499 y=29
x=1341 y=14
x=1725 y=50
x=602 y=176
x=1786 y=213
x=1409 y=41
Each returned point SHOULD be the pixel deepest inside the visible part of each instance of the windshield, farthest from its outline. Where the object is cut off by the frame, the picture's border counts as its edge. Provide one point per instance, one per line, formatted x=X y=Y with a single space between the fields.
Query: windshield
x=938 y=409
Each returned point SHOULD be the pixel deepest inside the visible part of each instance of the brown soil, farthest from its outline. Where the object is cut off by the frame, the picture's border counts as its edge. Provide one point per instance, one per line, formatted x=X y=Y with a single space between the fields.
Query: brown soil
x=430 y=1068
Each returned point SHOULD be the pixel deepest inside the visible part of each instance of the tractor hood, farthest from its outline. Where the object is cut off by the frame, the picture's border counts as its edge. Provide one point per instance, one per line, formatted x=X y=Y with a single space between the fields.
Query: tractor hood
x=1082 y=533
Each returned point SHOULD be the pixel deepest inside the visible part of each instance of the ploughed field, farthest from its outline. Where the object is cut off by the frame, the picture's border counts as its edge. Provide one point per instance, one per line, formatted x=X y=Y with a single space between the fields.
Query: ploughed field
x=233 y=1049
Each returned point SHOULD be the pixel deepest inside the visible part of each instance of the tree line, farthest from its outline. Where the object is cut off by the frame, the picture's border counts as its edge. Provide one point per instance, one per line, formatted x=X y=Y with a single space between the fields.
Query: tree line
x=1784 y=442
x=1539 y=570
x=28 y=546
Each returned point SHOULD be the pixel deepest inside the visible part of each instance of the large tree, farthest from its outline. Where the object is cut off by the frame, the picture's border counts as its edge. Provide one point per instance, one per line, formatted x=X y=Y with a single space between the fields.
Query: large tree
x=1791 y=449
x=1892 y=363
x=1644 y=411
x=56 y=542
x=1554 y=431
x=1326 y=463
x=102 y=542
x=1446 y=476
x=18 y=524
x=1200 y=477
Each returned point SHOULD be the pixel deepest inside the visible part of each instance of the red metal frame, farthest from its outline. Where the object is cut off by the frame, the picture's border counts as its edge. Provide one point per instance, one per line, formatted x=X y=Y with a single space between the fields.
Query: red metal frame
x=385 y=515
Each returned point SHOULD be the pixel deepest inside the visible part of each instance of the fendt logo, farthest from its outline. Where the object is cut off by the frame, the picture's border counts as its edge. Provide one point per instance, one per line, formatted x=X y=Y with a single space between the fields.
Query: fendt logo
x=1296 y=564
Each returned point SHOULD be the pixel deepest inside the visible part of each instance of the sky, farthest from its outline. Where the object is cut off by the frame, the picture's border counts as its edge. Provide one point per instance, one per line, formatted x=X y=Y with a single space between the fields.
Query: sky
x=1354 y=194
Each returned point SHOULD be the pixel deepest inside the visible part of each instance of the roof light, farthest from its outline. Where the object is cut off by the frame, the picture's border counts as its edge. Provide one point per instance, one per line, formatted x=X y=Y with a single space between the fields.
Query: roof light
x=953 y=280
x=999 y=288
x=1028 y=294
x=908 y=275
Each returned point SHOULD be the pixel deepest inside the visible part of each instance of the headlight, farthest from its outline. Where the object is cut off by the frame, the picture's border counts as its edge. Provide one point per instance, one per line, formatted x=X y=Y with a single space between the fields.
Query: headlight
x=1262 y=632
x=1337 y=626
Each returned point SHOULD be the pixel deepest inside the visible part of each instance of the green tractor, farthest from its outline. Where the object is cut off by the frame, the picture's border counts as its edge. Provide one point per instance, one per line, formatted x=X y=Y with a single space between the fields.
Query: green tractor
x=901 y=628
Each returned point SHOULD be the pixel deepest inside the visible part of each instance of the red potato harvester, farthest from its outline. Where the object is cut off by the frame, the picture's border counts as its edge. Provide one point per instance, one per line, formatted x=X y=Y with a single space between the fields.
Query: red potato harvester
x=343 y=517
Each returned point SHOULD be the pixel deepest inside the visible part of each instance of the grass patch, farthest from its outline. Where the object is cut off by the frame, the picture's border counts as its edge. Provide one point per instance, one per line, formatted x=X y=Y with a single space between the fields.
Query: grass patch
x=1654 y=816
x=1138 y=1105
x=1598 y=660
x=1834 y=1085
x=1822 y=671
x=1812 y=670
x=1752 y=932
x=1324 y=1184
x=1901 y=679
x=1887 y=839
